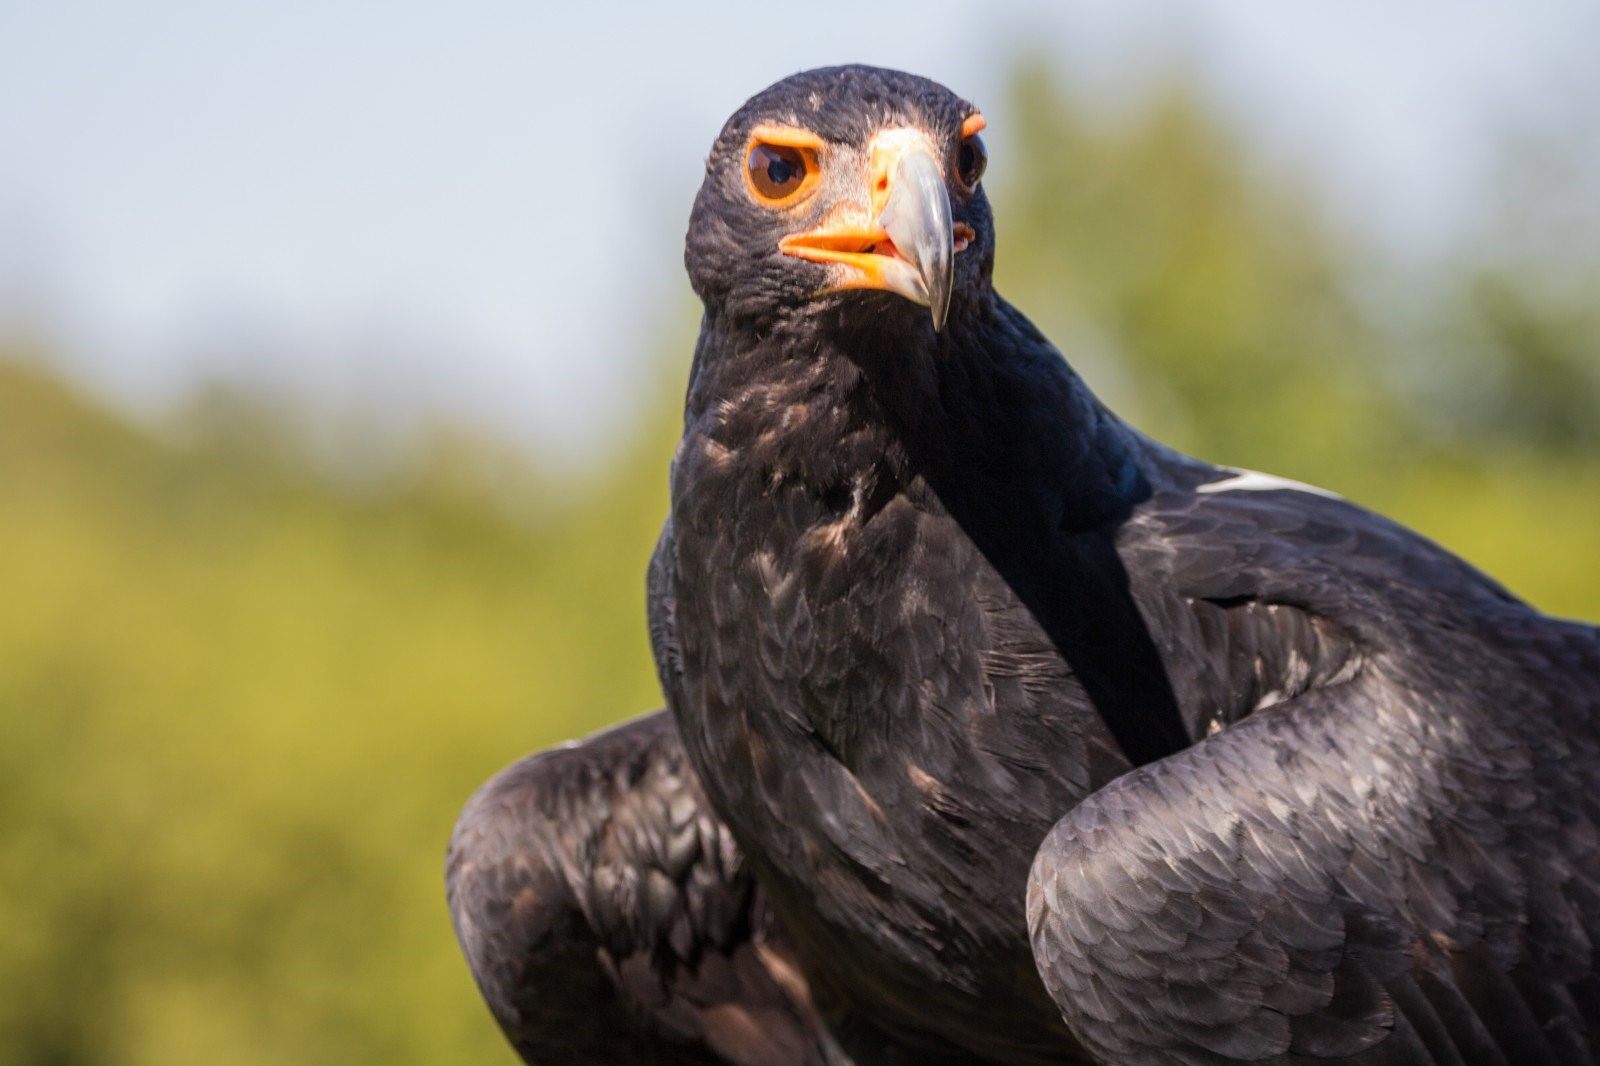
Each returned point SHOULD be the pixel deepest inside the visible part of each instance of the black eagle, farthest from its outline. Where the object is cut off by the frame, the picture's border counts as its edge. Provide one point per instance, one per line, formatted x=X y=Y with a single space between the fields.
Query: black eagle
x=1000 y=733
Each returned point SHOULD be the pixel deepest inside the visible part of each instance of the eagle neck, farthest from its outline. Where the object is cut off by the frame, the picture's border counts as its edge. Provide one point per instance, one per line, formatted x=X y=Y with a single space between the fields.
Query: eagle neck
x=986 y=406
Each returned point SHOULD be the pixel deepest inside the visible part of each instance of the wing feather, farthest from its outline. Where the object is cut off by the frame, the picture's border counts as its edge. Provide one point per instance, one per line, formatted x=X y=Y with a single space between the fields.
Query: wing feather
x=608 y=916
x=1349 y=876
x=1386 y=846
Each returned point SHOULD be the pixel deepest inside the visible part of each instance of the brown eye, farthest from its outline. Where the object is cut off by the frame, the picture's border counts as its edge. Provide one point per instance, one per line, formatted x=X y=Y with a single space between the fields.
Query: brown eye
x=971 y=159
x=778 y=172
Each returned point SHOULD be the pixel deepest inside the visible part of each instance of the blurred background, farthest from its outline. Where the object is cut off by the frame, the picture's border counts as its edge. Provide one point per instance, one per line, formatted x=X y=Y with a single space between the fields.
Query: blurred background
x=341 y=348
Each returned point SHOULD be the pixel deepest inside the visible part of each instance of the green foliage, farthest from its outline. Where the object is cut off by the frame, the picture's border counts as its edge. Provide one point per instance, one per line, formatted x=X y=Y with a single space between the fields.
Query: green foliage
x=1537 y=356
x=243 y=698
x=242 y=706
x=1197 y=297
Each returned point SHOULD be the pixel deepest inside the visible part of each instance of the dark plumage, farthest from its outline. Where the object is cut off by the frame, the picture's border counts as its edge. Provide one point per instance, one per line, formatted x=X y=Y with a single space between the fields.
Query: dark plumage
x=1293 y=783
x=609 y=917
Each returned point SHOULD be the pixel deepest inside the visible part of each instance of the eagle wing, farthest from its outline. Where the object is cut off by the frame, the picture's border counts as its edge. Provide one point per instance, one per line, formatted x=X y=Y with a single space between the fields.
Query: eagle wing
x=608 y=916
x=1395 y=862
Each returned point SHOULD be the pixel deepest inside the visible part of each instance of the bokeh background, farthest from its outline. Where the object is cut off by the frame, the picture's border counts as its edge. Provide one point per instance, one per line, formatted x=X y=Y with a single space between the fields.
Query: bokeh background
x=341 y=347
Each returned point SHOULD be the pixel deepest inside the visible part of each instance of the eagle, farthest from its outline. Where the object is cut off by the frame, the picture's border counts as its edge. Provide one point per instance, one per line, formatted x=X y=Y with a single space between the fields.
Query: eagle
x=998 y=732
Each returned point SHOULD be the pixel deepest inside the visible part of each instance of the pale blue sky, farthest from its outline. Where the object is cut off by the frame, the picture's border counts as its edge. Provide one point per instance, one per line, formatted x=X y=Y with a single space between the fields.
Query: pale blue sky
x=477 y=207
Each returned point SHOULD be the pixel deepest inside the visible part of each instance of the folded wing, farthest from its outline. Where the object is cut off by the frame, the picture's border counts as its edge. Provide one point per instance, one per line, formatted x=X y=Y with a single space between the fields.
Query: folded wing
x=1399 y=868
x=608 y=917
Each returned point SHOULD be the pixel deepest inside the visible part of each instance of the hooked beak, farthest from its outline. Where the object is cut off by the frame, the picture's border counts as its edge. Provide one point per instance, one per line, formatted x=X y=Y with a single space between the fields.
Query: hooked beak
x=909 y=245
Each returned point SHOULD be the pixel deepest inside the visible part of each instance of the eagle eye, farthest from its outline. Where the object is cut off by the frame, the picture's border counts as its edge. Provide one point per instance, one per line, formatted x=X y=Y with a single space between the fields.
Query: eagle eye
x=971 y=159
x=778 y=173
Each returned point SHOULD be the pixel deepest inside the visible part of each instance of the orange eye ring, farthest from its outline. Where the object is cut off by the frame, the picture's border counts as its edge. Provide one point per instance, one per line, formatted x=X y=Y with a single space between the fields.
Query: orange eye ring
x=780 y=165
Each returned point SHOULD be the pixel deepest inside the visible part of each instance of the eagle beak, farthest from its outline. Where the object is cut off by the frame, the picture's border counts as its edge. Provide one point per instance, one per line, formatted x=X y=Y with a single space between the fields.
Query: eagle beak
x=909 y=248
x=917 y=219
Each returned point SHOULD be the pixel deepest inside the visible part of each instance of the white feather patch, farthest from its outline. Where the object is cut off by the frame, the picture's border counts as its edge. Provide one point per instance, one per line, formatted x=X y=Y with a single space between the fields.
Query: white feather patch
x=1256 y=481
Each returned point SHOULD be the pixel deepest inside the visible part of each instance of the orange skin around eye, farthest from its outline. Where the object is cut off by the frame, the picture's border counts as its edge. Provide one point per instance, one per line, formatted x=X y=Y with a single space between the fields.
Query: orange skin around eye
x=787 y=136
x=974 y=124
x=805 y=142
